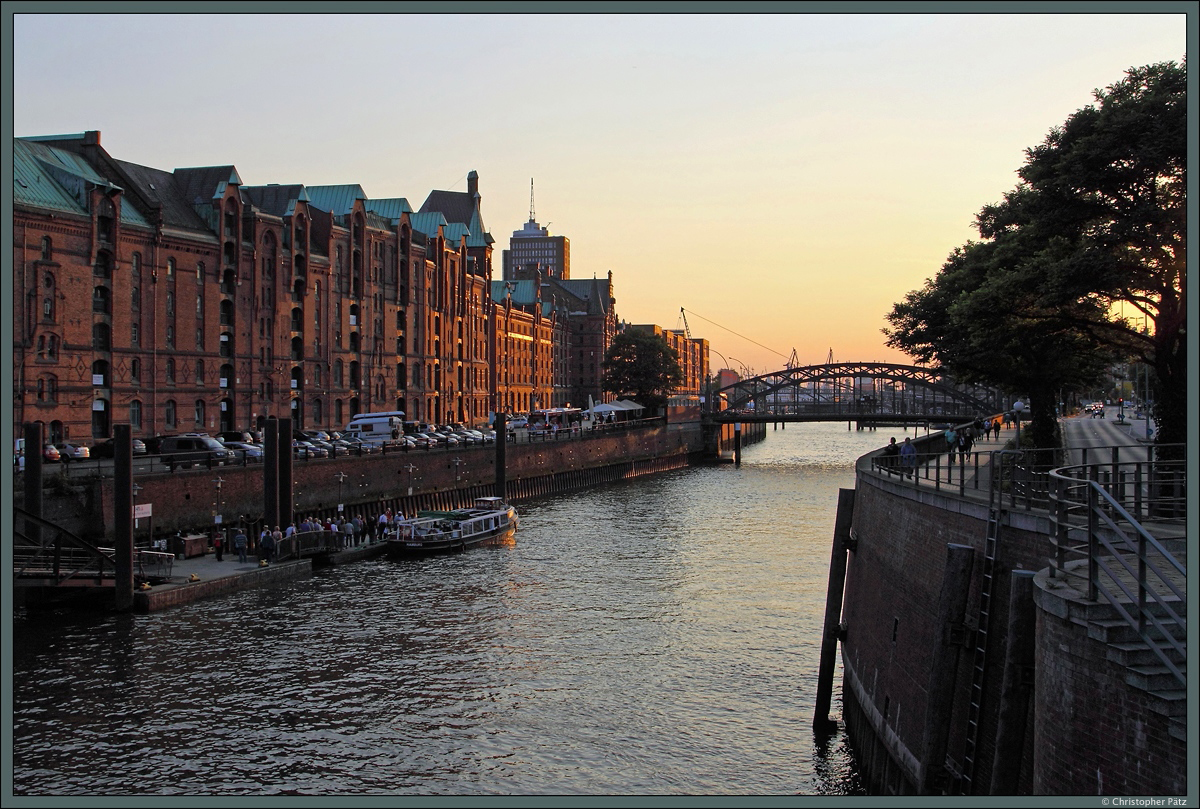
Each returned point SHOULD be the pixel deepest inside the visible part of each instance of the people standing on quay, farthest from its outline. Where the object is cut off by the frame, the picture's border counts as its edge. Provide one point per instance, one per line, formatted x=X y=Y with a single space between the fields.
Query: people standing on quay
x=952 y=442
x=908 y=457
x=217 y=544
x=239 y=544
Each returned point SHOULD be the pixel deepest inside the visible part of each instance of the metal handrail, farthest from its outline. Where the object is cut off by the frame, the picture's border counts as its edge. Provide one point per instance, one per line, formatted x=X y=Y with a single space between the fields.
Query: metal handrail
x=1114 y=541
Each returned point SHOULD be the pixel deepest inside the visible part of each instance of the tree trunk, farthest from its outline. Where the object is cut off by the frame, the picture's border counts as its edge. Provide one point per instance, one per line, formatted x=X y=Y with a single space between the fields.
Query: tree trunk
x=1043 y=427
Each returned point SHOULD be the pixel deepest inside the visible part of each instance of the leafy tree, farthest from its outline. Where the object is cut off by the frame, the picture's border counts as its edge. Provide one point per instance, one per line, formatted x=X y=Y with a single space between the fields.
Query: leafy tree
x=643 y=367
x=1096 y=224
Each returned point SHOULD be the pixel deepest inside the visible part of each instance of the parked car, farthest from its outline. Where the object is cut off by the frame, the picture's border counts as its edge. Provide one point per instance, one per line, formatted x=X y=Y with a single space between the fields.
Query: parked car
x=107 y=448
x=243 y=436
x=519 y=421
x=245 y=452
x=191 y=449
x=71 y=452
x=50 y=454
x=303 y=449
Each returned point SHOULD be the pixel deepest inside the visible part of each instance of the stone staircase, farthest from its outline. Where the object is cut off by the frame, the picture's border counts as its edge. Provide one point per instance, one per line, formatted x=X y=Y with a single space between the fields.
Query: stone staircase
x=1145 y=670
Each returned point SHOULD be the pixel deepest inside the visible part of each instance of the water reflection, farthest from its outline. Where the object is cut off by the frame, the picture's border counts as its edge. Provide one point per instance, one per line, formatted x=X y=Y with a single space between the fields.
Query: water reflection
x=649 y=637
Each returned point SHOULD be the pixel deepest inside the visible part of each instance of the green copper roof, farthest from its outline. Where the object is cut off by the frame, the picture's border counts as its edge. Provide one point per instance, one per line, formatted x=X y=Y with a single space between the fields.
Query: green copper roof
x=336 y=199
x=427 y=222
x=392 y=208
x=47 y=177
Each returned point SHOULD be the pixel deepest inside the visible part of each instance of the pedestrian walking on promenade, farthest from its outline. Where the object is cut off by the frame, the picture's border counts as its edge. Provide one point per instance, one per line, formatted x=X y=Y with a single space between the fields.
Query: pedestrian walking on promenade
x=217 y=545
x=908 y=457
x=239 y=544
x=891 y=454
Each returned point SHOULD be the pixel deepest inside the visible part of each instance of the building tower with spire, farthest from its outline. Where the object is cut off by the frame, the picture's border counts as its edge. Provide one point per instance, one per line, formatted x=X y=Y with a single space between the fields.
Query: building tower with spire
x=533 y=251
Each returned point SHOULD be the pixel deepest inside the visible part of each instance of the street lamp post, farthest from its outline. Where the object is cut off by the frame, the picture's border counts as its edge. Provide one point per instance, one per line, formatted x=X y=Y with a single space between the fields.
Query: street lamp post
x=341 y=476
x=1018 y=409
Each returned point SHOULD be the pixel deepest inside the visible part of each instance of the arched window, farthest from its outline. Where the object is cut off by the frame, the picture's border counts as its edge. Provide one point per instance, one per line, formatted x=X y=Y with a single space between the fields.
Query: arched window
x=354 y=375
x=227 y=376
x=297 y=377
x=226 y=313
x=135 y=265
x=170 y=372
x=317 y=376
x=101 y=337
x=103 y=266
x=135 y=414
x=47 y=249
x=337 y=373
x=170 y=336
x=100 y=418
x=318 y=412
x=41 y=347
x=100 y=301
x=297 y=319
x=226 y=345
x=170 y=269
x=268 y=256
x=170 y=304
x=297 y=348
x=199 y=413
x=199 y=372
x=135 y=370
x=169 y=413
x=200 y=273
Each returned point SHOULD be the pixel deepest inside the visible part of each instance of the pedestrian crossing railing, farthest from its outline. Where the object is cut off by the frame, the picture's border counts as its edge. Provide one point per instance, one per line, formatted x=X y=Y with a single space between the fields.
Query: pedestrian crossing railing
x=1119 y=537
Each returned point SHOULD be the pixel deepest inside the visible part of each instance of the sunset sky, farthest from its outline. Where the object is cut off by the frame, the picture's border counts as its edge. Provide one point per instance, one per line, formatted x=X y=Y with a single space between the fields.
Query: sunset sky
x=783 y=178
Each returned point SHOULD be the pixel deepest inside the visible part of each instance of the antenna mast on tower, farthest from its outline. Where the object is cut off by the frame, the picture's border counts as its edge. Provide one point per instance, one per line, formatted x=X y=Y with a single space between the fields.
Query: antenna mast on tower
x=531 y=216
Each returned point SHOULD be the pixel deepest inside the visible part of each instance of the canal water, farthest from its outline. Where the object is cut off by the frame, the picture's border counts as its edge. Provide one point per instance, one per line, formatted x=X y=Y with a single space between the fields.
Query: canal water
x=658 y=637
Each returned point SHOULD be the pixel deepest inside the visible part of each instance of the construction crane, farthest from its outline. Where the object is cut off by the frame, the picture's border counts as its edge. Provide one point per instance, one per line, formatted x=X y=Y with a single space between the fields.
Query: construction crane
x=686 y=329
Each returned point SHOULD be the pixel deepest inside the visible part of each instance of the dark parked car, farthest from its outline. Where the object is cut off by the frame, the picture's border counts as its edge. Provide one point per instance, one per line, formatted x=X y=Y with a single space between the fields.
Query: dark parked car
x=107 y=448
x=189 y=450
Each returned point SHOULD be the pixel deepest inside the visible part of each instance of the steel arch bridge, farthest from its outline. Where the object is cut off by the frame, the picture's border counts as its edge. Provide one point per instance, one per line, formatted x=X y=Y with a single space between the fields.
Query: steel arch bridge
x=857 y=391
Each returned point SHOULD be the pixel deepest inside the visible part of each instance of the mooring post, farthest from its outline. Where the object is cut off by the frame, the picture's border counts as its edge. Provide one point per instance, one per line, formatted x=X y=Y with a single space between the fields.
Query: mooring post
x=501 y=426
x=33 y=480
x=1017 y=685
x=943 y=670
x=286 y=501
x=271 y=473
x=123 y=515
x=737 y=444
x=834 y=592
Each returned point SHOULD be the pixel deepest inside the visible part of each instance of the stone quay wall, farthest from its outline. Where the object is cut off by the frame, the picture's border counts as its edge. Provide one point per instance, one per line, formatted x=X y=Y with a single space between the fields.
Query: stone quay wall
x=187 y=500
x=1090 y=731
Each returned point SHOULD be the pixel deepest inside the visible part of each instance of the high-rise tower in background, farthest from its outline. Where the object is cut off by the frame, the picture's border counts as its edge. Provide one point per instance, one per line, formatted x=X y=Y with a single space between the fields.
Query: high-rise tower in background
x=532 y=250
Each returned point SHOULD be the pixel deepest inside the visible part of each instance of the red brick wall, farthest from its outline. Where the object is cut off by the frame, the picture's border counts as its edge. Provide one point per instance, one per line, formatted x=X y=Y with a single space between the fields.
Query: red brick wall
x=1097 y=735
x=893 y=583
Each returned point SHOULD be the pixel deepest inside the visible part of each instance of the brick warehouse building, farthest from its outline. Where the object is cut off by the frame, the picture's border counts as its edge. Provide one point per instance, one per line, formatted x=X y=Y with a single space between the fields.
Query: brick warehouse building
x=215 y=305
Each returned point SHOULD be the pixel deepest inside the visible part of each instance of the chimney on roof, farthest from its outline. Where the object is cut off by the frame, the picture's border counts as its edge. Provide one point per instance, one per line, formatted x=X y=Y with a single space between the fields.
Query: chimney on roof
x=473 y=183
x=92 y=137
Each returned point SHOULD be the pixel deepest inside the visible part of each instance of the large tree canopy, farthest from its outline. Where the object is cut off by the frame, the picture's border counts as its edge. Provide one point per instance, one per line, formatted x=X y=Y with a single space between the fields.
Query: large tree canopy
x=643 y=367
x=1084 y=261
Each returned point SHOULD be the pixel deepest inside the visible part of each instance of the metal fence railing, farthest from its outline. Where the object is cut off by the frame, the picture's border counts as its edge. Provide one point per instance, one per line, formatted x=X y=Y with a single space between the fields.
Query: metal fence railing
x=1121 y=533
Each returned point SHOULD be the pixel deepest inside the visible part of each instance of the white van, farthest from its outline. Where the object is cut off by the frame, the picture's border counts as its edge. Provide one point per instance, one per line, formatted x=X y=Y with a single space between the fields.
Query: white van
x=376 y=428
